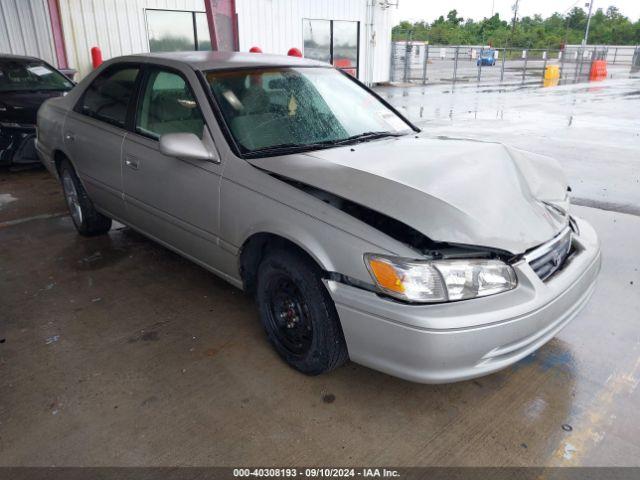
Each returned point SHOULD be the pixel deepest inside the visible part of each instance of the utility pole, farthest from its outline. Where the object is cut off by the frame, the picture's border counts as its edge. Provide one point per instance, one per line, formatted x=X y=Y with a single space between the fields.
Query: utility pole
x=515 y=16
x=586 y=32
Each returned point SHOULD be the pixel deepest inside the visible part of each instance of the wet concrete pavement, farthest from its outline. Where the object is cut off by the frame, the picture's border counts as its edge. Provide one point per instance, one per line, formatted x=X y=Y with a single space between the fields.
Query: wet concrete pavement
x=115 y=351
x=593 y=129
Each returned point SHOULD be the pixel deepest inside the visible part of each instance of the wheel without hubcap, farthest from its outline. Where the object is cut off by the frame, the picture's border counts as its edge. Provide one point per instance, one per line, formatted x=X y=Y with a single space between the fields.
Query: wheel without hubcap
x=298 y=314
x=288 y=316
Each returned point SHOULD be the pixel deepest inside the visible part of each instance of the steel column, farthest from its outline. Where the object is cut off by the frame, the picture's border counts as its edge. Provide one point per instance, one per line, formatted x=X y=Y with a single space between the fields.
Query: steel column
x=58 y=34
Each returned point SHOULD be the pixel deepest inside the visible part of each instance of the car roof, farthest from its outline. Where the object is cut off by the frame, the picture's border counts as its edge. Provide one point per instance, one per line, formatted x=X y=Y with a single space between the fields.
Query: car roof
x=25 y=58
x=213 y=60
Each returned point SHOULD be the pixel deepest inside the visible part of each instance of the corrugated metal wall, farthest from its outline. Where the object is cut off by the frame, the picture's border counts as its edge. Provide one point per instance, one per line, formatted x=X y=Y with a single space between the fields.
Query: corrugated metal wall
x=276 y=26
x=25 y=29
x=380 y=38
x=118 y=27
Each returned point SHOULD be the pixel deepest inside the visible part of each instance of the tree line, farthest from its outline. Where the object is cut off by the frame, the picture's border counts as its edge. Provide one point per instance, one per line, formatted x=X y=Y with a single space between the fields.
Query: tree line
x=608 y=27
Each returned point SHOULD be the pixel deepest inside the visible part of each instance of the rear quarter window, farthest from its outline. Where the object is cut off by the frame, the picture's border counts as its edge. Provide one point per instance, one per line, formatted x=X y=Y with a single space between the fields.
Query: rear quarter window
x=108 y=96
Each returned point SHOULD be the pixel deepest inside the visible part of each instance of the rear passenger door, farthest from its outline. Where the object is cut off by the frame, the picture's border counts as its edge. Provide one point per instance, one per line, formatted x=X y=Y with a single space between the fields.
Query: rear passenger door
x=174 y=200
x=94 y=133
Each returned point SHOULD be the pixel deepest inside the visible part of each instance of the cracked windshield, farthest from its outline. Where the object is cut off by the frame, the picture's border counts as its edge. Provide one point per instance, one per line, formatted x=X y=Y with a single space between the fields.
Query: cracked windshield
x=297 y=108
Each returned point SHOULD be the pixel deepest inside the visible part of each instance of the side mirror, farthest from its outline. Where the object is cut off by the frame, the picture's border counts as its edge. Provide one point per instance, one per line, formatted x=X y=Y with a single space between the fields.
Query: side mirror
x=185 y=145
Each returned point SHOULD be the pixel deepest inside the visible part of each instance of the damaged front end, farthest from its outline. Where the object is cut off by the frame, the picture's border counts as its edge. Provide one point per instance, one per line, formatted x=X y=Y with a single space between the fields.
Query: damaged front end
x=469 y=210
x=396 y=229
x=442 y=273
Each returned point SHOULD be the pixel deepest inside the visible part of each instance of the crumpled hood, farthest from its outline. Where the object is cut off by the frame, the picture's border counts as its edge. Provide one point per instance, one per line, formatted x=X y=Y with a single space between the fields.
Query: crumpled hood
x=455 y=191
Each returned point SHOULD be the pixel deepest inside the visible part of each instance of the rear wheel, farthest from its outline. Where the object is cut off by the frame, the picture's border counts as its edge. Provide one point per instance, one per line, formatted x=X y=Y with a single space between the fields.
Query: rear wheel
x=86 y=218
x=298 y=314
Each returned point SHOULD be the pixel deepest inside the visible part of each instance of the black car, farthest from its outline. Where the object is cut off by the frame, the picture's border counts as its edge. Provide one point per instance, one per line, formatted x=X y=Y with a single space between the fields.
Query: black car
x=25 y=83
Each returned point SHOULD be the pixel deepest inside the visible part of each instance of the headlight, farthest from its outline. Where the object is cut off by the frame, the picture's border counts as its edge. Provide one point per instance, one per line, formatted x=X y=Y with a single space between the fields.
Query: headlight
x=429 y=281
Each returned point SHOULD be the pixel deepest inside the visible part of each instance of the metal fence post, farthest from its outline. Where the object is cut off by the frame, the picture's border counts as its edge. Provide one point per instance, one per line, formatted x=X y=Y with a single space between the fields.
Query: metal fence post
x=392 y=62
x=455 y=65
x=504 y=59
x=615 y=55
x=407 y=51
x=594 y=57
x=578 y=60
x=562 y=52
x=526 y=59
x=544 y=65
x=424 y=67
x=479 y=61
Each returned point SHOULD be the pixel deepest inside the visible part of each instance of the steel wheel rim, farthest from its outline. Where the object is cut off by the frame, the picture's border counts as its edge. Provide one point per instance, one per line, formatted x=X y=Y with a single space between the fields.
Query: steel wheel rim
x=289 y=317
x=71 y=195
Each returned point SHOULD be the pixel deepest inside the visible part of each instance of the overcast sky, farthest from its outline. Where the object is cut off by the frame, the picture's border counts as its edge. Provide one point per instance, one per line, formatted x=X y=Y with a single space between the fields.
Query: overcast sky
x=478 y=9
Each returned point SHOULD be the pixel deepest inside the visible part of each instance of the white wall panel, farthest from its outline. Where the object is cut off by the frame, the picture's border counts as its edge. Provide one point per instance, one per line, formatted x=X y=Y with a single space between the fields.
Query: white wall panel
x=276 y=25
x=118 y=27
x=25 y=29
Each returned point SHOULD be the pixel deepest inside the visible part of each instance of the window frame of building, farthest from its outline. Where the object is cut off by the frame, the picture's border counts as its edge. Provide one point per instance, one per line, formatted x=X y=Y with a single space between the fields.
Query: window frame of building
x=194 y=26
x=355 y=68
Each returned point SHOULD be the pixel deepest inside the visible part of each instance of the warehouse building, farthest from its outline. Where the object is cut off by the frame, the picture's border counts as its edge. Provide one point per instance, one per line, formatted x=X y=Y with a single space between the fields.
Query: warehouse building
x=352 y=34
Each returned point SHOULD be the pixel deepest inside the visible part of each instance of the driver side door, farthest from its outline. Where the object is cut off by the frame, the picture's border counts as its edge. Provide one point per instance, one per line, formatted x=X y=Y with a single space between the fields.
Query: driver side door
x=173 y=200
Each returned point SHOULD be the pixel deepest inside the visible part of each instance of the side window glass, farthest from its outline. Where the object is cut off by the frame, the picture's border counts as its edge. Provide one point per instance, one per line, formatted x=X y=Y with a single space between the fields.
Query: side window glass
x=108 y=96
x=168 y=106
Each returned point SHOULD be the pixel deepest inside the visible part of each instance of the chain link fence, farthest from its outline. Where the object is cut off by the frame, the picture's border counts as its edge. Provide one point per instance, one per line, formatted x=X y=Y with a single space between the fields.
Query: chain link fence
x=419 y=62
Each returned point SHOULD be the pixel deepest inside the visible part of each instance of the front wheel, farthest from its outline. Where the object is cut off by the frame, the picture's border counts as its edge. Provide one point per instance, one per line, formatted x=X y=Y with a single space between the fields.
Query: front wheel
x=298 y=315
x=86 y=218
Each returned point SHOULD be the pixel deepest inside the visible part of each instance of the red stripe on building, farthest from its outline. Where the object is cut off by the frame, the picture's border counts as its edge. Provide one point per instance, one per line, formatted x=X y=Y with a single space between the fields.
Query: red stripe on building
x=58 y=34
x=223 y=24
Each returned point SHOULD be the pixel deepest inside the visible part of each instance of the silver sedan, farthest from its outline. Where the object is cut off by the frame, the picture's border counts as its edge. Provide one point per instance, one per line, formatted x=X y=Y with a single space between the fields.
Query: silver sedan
x=362 y=238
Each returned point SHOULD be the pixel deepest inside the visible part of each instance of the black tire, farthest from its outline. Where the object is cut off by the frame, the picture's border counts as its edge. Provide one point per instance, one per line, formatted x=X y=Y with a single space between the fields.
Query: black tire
x=88 y=221
x=307 y=334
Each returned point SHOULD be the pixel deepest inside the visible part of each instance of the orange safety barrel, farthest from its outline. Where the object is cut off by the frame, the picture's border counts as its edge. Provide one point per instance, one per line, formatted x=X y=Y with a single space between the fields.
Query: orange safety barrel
x=598 y=70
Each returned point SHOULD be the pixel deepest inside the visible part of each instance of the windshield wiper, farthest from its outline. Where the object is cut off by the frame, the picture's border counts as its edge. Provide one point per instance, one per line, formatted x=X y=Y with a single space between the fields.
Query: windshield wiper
x=285 y=148
x=363 y=137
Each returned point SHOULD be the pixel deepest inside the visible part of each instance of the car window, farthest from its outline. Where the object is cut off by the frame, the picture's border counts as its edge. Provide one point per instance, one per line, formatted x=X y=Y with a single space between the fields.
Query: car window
x=266 y=108
x=30 y=75
x=168 y=106
x=108 y=96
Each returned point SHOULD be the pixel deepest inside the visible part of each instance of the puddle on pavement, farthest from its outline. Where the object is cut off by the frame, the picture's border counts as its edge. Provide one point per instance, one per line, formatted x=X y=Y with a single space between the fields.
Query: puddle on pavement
x=6 y=199
x=99 y=252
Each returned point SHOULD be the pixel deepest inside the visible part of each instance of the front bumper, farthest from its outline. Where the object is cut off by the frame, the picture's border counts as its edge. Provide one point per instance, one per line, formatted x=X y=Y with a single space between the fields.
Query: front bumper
x=46 y=158
x=17 y=144
x=457 y=341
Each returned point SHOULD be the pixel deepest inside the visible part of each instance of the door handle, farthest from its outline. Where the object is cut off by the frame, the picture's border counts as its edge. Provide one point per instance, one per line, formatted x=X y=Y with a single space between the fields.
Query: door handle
x=69 y=136
x=131 y=162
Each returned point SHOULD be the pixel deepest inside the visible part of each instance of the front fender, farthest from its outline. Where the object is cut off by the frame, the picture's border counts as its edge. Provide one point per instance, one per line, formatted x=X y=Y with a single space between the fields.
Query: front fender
x=253 y=202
